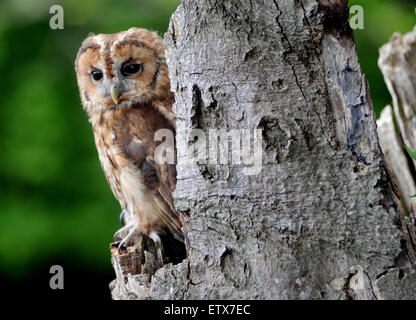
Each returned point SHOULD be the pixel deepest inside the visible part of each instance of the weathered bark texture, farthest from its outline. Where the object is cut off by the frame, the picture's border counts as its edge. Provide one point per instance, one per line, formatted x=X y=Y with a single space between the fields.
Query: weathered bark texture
x=398 y=64
x=321 y=220
x=395 y=156
x=134 y=267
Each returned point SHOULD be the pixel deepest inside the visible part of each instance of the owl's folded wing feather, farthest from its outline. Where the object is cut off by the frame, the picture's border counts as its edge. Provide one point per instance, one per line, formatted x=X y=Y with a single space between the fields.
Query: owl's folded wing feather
x=161 y=178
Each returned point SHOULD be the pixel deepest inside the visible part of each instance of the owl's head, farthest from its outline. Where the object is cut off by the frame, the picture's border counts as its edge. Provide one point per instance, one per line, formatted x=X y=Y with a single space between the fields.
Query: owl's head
x=121 y=70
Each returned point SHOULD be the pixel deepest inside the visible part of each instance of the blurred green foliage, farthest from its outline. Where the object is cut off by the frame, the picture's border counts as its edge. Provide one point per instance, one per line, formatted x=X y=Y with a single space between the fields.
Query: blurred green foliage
x=55 y=200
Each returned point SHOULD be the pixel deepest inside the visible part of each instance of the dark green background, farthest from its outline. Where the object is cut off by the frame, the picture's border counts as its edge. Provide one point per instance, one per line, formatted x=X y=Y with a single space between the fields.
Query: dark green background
x=55 y=205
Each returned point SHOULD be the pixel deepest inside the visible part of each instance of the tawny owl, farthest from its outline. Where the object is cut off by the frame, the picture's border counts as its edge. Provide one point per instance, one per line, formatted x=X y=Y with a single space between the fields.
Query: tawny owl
x=125 y=89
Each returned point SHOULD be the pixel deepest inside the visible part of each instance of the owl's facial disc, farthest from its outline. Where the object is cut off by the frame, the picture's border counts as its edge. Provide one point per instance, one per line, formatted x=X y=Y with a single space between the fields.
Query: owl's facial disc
x=113 y=89
x=121 y=70
x=120 y=83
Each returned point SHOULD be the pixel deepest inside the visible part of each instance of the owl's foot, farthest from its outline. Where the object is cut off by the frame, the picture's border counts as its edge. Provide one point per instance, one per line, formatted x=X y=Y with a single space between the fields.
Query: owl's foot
x=126 y=235
x=122 y=233
x=164 y=247
x=129 y=239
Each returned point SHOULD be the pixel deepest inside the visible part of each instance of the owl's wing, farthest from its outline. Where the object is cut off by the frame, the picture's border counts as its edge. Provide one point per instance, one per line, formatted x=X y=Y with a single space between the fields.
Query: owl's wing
x=161 y=178
x=165 y=108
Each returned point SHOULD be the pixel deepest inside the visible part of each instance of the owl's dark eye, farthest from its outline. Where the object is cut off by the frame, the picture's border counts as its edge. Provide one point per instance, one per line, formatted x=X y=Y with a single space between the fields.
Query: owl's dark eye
x=128 y=69
x=97 y=75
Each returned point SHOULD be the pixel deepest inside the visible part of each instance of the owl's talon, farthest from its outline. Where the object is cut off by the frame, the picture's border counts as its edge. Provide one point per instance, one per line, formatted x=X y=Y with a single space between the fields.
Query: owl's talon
x=122 y=216
x=129 y=239
x=123 y=232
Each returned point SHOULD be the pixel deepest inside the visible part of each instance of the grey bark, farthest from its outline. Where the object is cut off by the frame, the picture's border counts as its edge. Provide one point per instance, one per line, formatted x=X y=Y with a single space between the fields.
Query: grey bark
x=395 y=156
x=398 y=65
x=322 y=219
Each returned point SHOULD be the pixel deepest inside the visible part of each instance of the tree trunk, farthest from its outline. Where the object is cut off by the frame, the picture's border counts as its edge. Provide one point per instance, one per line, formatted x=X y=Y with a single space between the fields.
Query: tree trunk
x=322 y=219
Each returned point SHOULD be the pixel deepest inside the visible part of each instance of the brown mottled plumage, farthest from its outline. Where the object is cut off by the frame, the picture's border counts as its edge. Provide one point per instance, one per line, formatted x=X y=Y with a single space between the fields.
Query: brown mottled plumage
x=125 y=89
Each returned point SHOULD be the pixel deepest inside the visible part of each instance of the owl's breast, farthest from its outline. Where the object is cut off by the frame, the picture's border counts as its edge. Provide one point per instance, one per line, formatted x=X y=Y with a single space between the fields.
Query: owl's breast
x=109 y=159
x=124 y=141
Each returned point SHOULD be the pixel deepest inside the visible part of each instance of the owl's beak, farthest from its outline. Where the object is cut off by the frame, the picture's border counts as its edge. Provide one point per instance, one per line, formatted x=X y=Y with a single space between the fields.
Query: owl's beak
x=115 y=94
